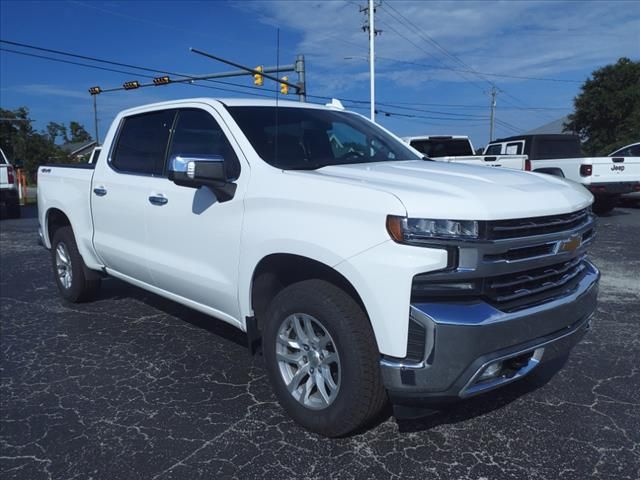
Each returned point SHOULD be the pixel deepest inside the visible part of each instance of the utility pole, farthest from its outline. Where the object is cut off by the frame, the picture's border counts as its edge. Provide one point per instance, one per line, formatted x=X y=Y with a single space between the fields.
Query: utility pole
x=494 y=92
x=370 y=10
x=95 y=118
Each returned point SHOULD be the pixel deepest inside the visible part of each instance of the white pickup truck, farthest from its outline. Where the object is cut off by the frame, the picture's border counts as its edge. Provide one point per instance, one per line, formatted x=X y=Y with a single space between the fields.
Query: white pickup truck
x=459 y=149
x=364 y=272
x=9 y=187
x=559 y=154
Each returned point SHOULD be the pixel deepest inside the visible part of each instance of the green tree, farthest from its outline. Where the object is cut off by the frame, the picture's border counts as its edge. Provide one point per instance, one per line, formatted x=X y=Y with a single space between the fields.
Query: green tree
x=78 y=133
x=21 y=143
x=607 y=110
x=55 y=130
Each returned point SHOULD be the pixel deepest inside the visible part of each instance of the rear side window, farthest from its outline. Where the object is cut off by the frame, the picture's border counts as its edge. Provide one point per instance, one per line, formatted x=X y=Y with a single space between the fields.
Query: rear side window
x=142 y=143
x=514 y=148
x=494 y=149
x=198 y=134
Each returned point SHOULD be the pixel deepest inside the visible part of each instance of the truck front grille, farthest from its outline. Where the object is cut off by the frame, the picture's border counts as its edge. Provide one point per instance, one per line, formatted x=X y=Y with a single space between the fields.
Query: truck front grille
x=527 y=288
x=526 y=227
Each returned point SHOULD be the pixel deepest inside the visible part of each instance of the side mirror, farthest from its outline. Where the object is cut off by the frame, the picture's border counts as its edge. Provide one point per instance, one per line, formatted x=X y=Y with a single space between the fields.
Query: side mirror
x=196 y=171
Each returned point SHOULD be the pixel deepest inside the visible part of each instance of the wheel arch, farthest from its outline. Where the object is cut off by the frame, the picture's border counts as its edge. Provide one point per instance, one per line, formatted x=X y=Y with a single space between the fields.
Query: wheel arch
x=276 y=271
x=55 y=219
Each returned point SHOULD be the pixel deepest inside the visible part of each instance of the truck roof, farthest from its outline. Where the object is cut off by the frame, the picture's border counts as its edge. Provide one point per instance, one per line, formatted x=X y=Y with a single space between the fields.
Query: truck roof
x=230 y=102
x=546 y=136
x=436 y=137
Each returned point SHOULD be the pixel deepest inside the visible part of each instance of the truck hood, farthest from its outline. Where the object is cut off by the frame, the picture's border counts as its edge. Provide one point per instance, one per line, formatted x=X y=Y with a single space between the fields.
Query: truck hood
x=443 y=190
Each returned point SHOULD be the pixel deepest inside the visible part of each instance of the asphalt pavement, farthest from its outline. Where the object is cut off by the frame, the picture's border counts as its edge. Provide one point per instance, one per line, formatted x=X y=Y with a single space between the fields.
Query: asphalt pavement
x=132 y=386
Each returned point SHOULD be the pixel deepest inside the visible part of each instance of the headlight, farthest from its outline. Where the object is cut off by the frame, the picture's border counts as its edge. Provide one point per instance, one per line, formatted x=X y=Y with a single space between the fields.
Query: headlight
x=416 y=230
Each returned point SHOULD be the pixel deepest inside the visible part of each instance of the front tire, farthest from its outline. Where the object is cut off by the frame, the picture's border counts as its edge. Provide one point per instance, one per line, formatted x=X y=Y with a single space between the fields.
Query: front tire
x=604 y=204
x=75 y=281
x=322 y=358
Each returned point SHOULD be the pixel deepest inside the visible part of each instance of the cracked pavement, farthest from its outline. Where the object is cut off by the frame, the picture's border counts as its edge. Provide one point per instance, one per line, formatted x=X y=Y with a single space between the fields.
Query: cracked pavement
x=134 y=386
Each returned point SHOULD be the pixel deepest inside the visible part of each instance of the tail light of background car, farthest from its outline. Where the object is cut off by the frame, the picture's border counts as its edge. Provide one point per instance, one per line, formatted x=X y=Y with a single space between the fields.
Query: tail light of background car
x=527 y=165
x=586 y=170
x=10 y=176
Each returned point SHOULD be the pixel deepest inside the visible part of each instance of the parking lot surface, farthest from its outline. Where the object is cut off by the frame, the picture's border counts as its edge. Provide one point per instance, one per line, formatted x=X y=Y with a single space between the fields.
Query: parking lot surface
x=133 y=386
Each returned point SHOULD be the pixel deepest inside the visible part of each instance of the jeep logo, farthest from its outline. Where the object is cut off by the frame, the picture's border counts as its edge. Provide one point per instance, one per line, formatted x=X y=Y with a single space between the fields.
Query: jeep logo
x=617 y=167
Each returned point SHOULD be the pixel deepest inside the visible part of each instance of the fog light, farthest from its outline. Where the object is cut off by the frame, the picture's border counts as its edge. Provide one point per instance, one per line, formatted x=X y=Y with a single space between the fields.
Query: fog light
x=491 y=371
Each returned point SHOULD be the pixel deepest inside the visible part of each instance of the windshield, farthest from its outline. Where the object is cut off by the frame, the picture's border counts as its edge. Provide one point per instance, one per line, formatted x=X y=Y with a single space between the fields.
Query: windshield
x=305 y=138
x=443 y=147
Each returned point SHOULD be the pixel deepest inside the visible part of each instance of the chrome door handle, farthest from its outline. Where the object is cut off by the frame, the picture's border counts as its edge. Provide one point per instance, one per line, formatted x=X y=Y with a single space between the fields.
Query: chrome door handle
x=100 y=191
x=158 y=200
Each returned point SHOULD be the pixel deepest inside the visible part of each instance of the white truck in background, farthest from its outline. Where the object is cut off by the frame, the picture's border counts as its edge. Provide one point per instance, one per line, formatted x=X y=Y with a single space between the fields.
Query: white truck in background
x=459 y=149
x=364 y=273
x=9 y=197
x=607 y=178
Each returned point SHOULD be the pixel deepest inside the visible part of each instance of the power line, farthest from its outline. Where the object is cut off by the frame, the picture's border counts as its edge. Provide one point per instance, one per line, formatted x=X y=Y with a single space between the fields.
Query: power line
x=133 y=74
x=97 y=67
x=427 y=38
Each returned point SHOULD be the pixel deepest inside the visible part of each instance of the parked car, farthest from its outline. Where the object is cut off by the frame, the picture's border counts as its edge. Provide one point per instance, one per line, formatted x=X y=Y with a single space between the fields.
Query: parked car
x=9 y=187
x=632 y=150
x=459 y=149
x=362 y=271
x=557 y=154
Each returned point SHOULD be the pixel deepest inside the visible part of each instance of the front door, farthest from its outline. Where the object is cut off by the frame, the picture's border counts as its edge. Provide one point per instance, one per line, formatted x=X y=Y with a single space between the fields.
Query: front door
x=194 y=239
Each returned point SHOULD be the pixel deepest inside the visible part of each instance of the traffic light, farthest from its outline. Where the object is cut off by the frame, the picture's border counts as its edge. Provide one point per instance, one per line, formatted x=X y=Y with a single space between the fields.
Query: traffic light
x=161 y=80
x=95 y=90
x=131 y=85
x=257 y=78
x=284 y=88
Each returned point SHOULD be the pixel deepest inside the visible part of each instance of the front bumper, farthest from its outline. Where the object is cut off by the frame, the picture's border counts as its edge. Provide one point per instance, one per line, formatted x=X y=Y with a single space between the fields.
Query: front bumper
x=464 y=339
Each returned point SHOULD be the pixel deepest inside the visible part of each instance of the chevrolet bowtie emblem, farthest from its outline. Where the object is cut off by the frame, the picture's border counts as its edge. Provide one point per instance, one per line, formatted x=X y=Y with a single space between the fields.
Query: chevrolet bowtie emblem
x=570 y=245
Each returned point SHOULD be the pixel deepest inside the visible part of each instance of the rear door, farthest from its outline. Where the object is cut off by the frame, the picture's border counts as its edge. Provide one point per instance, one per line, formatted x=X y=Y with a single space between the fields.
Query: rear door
x=120 y=192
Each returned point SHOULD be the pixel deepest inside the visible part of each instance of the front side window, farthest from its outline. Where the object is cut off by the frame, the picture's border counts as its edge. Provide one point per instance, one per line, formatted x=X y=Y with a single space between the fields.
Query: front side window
x=307 y=138
x=142 y=143
x=198 y=134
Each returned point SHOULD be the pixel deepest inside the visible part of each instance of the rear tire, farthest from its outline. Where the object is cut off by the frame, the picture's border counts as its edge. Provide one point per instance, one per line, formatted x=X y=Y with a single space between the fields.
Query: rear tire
x=604 y=204
x=75 y=281
x=343 y=391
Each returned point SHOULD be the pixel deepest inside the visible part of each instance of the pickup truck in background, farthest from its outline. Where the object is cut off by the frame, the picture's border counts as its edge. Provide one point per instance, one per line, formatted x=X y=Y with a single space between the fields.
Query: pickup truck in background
x=362 y=272
x=9 y=188
x=459 y=149
x=632 y=150
x=607 y=178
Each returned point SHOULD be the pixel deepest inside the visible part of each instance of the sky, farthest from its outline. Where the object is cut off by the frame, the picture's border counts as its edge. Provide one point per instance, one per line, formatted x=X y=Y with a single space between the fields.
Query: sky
x=436 y=62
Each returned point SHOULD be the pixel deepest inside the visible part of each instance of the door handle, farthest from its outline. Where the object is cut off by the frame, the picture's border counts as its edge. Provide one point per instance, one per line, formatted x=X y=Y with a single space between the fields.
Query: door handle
x=100 y=191
x=158 y=200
